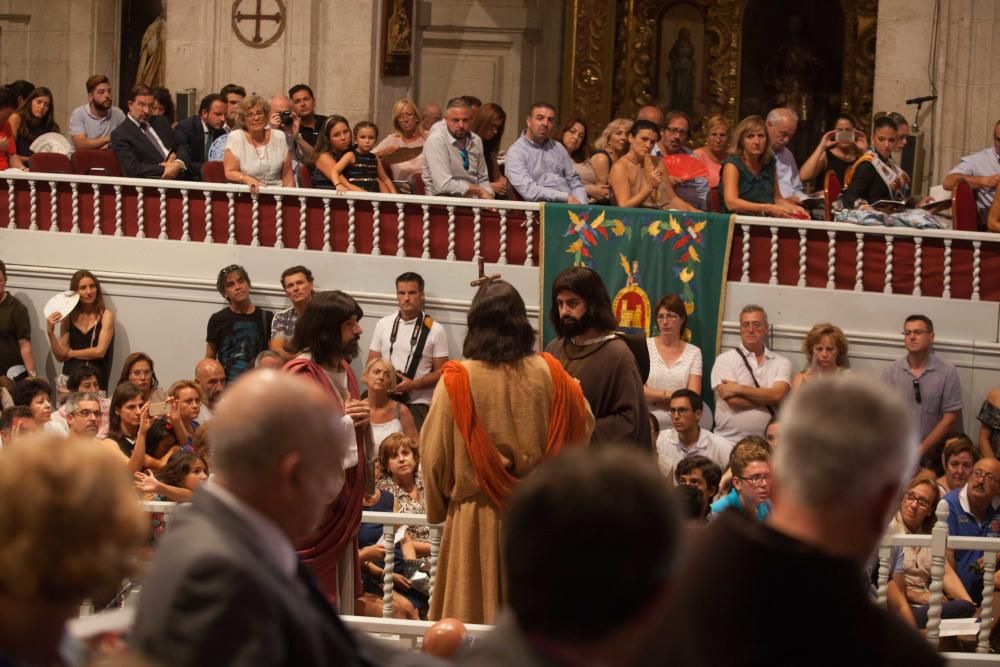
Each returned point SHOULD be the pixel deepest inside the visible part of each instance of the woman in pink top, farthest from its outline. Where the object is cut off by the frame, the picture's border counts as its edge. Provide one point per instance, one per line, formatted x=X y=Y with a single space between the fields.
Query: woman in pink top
x=407 y=136
x=716 y=148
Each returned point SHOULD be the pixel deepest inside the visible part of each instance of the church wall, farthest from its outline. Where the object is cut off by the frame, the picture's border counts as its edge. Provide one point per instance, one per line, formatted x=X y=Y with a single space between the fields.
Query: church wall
x=64 y=42
x=962 y=63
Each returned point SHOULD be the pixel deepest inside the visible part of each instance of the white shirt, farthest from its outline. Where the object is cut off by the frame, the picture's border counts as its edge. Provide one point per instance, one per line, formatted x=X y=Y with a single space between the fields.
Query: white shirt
x=734 y=425
x=670 y=378
x=435 y=348
x=787 y=171
x=671 y=452
x=275 y=543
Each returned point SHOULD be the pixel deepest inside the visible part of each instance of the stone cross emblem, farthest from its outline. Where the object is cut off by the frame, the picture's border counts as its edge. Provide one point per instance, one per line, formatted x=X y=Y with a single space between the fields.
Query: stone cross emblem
x=244 y=20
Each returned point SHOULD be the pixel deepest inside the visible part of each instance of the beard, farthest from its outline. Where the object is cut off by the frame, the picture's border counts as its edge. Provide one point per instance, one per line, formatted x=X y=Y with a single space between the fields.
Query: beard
x=350 y=350
x=105 y=105
x=572 y=326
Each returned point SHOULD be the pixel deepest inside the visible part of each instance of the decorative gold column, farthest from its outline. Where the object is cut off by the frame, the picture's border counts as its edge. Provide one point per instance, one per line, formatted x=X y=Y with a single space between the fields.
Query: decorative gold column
x=589 y=61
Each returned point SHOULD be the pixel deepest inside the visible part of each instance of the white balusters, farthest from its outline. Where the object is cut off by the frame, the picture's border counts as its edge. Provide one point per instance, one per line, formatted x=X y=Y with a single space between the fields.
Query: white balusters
x=53 y=206
x=302 y=223
x=503 y=237
x=279 y=222
x=11 y=220
x=802 y=258
x=918 y=251
x=774 y=257
x=119 y=212
x=97 y=209
x=140 y=213
x=163 y=214
x=976 y=261
x=74 y=193
x=185 y=215
x=326 y=224
x=209 y=231
x=939 y=537
x=529 y=246
x=400 y=231
x=435 y=551
x=859 y=262
x=451 y=233
x=989 y=569
x=477 y=232
x=254 y=220
x=388 y=535
x=887 y=289
x=946 y=270
x=831 y=260
x=231 y=196
x=376 y=229
x=33 y=196
x=351 y=215
x=426 y=220
x=882 y=591
x=745 y=277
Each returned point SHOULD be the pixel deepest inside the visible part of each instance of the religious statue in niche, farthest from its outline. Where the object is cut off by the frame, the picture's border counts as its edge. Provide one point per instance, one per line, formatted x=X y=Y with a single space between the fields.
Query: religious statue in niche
x=151 y=53
x=792 y=70
x=681 y=74
x=397 y=40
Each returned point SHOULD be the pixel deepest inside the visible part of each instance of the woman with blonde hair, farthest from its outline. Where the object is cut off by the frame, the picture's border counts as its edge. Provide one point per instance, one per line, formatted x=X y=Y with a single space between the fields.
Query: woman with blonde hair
x=749 y=181
x=716 y=148
x=610 y=146
x=402 y=149
x=387 y=415
x=825 y=347
x=256 y=155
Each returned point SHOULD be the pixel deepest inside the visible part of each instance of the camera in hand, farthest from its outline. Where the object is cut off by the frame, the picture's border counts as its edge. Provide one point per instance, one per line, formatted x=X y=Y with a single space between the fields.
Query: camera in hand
x=287 y=118
x=844 y=135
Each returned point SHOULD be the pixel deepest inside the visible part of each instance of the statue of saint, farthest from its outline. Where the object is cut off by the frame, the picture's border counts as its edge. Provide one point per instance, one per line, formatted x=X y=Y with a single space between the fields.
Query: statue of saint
x=681 y=75
x=399 y=29
x=151 y=53
x=792 y=71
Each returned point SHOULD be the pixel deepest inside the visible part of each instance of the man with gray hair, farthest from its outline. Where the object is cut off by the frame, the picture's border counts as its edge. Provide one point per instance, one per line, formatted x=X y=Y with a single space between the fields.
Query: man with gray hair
x=278 y=445
x=83 y=414
x=749 y=381
x=781 y=126
x=846 y=447
x=454 y=161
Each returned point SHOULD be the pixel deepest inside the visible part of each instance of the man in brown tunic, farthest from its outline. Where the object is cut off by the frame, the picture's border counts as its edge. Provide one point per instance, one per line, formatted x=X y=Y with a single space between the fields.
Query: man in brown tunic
x=599 y=359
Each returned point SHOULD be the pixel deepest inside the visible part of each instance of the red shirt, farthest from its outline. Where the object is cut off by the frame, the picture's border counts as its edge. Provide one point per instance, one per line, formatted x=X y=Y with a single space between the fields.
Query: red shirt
x=8 y=150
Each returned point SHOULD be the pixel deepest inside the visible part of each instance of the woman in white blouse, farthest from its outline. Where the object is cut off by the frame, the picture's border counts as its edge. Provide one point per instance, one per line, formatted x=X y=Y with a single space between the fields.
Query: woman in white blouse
x=673 y=363
x=257 y=155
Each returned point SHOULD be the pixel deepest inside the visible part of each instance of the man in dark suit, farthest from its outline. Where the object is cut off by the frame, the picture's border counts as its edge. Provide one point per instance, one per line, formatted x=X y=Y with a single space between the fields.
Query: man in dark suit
x=144 y=144
x=226 y=586
x=196 y=134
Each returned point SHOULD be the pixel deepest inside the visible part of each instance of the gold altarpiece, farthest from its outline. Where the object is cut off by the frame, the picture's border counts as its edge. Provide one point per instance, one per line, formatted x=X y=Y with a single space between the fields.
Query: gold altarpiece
x=729 y=57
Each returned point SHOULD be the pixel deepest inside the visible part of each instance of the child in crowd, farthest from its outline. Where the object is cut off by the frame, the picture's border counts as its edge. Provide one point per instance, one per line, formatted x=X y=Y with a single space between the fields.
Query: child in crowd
x=177 y=480
x=360 y=169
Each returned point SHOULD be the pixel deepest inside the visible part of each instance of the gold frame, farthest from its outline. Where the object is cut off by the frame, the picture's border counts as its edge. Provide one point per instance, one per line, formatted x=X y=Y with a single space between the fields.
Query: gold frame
x=609 y=72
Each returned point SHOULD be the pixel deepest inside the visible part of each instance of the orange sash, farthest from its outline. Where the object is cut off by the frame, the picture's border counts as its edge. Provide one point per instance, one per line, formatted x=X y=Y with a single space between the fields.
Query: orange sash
x=567 y=423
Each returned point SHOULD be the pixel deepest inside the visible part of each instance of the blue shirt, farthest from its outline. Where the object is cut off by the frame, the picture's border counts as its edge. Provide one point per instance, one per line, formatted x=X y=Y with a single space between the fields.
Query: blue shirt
x=542 y=172
x=732 y=501
x=964 y=523
x=789 y=183
x=982 y=163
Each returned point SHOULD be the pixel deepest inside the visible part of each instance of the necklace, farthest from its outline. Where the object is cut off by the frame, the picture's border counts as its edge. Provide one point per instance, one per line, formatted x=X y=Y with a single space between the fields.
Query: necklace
x=261 y=149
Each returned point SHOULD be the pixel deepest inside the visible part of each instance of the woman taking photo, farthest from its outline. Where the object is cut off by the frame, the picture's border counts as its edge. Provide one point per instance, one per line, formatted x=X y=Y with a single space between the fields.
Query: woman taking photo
x=256 y=155
x=639 y=180
x=876 y=177
x=916 y=517
x=749 y=183
x=825 y=347
x=673 y=363
x=837 y=150
x=387 y=416
x=32 y=120
x=716 y=148
x=334 y=142
x=402 y=150
x=87 y=334
x=488 y=123
x=573 y=137
x=138 y=369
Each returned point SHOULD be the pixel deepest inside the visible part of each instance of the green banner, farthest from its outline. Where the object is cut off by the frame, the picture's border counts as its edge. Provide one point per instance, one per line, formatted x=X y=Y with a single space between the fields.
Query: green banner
x=641 y=255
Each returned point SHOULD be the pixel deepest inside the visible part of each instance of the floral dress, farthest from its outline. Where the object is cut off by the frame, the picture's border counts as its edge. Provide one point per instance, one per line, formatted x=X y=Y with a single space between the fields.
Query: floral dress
x=989 y=416
x=408 y=505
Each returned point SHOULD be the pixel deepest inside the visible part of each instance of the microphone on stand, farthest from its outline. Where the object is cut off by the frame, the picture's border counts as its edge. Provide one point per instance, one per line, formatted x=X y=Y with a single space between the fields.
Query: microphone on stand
x=921 y=100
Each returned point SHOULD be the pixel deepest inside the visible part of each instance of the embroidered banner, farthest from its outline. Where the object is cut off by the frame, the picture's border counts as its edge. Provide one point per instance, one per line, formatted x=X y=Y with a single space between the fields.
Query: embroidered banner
x=643 y=254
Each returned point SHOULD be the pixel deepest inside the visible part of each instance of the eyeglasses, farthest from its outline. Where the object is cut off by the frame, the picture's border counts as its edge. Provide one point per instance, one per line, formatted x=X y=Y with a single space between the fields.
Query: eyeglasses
x=757 y=480
x=254 y=115
x=675 y=130
x=916 y=390
x=668 y=316
x=988 y=476
x=756 y=325
x=679 y=411
x=407 y=114
x=914 y=332
x=87 y=414
x=465 y=158
x=922 y=503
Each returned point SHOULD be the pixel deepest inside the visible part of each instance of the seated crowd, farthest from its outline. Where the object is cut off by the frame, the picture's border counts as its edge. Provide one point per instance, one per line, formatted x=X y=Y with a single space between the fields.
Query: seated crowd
x=431 y=436
x=642 y=162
